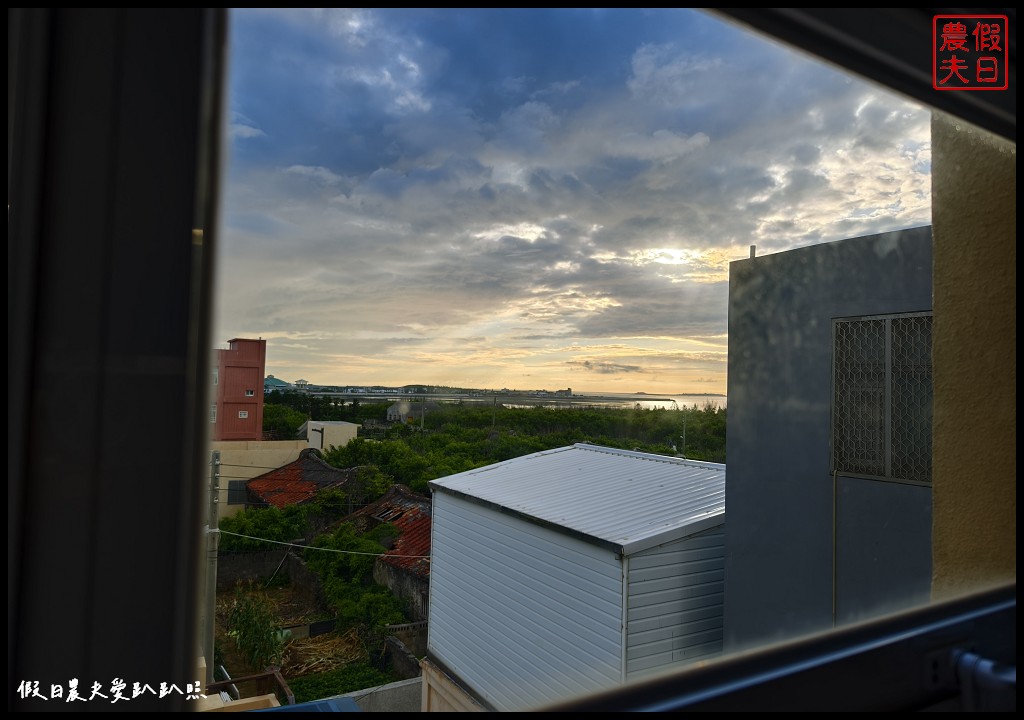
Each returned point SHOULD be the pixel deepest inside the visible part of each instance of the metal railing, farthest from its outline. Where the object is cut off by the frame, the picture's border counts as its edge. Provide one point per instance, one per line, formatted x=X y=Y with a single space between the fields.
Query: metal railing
x=270 y=681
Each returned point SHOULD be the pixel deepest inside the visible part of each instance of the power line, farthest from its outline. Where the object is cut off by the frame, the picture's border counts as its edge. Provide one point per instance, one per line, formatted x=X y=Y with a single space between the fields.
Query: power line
x=254 y=467
x=311 y=547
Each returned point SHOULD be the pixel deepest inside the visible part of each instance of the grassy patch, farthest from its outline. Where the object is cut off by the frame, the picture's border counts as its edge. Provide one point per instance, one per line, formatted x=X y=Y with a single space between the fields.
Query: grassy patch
x=355 y=676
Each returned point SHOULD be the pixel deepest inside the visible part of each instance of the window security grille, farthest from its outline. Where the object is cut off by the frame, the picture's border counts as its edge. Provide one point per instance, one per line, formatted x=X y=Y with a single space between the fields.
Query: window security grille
x=882 y=397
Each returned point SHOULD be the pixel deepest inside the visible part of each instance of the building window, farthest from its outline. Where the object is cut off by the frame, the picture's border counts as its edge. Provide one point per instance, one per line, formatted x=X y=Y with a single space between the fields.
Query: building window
x=243 y=414
x=213 y=412
x=216 y=375
x=882 y=397
x=236 y=492
x=250 y=393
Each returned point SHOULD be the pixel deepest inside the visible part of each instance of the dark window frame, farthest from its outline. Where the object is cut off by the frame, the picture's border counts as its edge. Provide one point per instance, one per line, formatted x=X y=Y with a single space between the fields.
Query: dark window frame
x=88 y=90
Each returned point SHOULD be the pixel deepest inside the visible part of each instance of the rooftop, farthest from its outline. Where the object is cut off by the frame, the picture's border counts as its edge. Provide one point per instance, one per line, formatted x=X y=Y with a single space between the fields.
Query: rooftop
x=630 y=500
x=410 y=513
x=298 y=481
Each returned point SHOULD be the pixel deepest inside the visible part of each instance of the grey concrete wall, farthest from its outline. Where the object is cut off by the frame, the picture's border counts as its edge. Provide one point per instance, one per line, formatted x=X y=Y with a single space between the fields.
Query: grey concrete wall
x=305 y=581
x=413 y=635
x=778 y=570
x=401 y=696
x=235 y=566
x=414 y=590
x=401 y=658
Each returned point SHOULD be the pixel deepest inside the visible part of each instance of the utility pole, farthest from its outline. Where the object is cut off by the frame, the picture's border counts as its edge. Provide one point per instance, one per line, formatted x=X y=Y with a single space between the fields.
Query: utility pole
x=683 y=449
x=212 y=543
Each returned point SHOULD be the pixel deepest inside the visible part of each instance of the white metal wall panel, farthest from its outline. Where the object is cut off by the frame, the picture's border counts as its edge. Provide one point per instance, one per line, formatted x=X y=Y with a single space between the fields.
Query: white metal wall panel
x=675 y=603
x=523 y=614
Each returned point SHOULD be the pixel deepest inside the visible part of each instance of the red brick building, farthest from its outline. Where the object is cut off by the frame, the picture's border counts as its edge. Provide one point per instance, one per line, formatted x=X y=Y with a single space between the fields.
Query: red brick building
x=236 y=411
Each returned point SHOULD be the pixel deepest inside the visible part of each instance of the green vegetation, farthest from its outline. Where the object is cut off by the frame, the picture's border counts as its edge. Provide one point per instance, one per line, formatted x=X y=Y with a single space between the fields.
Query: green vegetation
x=252 y=623
x=453 y=438
x=281 y=421
x=297 y=522
x=460 y=437
x=347 y=577
x=316 y=407
x=352 y=677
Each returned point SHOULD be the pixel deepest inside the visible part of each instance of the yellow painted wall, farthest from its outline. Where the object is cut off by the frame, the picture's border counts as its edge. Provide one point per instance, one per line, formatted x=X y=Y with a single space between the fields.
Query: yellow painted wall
x=336 y=434
x=974 y=211
x=245 y=459
x=442 y=694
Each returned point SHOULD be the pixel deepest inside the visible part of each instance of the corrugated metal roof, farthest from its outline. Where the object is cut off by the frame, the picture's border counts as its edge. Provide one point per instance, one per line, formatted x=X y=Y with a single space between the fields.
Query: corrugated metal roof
x=630 y=500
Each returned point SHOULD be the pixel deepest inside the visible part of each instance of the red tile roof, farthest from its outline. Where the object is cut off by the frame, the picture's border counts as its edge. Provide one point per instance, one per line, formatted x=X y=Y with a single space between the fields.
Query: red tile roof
x=410 y=513
x=411 y=551
x=298 y=481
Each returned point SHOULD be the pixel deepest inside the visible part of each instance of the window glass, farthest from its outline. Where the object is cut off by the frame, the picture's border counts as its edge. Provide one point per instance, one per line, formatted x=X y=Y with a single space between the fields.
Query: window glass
x=547 y=199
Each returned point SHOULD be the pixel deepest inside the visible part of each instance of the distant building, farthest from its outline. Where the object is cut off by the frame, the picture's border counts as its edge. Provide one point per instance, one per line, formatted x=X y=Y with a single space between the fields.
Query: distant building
x=325 y=434
x=408 y=412
x=236 y=412
x=271 y=384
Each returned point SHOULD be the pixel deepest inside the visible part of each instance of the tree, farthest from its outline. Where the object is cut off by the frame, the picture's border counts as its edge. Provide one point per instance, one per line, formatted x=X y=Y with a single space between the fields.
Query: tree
x=282 y=421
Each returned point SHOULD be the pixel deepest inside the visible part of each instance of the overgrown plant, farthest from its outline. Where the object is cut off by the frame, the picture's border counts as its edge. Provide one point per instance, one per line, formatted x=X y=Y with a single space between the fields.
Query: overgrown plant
x=252 y=623
x=347 y=576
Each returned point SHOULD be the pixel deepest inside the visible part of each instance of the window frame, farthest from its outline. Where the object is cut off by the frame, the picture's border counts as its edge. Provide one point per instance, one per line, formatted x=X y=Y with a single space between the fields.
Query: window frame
x=80 y=82
x=237 y=489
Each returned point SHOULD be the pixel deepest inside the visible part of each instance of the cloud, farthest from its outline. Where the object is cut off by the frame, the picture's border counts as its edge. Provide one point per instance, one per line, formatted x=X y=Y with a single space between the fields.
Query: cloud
x=663 y=74
x=532 y=178
x=605 y=368
x=317 y=173
x=661 y=145
x=243 y=132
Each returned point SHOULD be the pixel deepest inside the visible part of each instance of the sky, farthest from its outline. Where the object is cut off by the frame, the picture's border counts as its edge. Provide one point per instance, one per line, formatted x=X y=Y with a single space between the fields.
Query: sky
x=532 y=198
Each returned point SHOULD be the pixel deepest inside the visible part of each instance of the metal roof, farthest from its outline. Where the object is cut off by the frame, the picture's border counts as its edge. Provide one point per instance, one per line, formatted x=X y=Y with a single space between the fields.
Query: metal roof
x=629 y=500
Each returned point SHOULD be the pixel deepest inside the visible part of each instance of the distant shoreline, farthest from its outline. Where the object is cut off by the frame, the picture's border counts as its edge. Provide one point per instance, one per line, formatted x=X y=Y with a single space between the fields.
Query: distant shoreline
x=540 y=397
x=646 y=395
